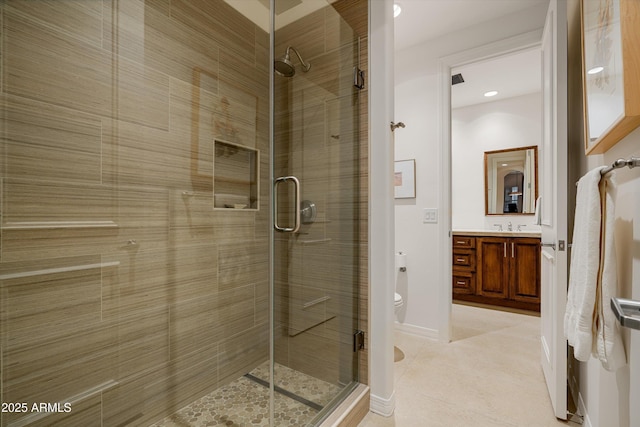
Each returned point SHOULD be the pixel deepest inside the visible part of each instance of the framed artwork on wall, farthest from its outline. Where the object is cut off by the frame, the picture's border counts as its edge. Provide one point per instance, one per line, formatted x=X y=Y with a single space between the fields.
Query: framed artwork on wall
x=610 y=71
x=404 y=179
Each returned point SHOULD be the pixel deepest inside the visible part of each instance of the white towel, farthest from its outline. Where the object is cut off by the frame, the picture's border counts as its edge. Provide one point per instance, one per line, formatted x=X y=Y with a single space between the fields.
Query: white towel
x=608 y=348
x=589 y=325
x=583 y=273
x=537 y=216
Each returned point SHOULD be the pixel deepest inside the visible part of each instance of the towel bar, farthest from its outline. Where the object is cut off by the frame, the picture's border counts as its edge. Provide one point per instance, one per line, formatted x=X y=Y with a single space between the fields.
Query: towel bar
x=631 y=163
x=627 y=312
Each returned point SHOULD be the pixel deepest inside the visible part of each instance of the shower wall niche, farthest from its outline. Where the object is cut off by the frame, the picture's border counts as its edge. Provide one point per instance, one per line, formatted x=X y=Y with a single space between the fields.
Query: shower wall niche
x=235 y=176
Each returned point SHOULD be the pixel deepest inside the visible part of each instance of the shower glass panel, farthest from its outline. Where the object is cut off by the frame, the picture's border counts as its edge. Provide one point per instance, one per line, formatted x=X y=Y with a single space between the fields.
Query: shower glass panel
x=316 y=141
x=136 y=214
x=127 y=292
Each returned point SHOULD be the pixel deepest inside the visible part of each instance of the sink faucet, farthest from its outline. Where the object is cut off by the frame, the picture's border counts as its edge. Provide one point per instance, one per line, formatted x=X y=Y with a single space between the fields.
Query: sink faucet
x=509 y=226
x=521 y=225
x=499 y=226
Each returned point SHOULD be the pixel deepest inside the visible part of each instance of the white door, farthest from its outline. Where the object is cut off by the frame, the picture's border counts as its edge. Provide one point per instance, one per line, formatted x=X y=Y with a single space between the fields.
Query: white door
x=554 y=205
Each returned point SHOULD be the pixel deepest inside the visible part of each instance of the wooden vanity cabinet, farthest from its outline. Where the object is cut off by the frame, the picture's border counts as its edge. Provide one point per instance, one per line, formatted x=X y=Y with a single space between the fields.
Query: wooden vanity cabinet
x=525 y=270
x=493 y=267
x=505 y=271
x=464 y=265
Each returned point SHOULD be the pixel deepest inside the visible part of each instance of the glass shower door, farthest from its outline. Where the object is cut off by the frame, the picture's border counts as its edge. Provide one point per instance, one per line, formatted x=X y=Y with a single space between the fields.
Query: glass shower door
x=135 y=212
x=316 y=244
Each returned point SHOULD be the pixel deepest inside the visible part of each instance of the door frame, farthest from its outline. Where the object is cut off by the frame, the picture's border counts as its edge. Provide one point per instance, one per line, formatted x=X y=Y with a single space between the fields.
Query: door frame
x=553 y=224
x=522 y=42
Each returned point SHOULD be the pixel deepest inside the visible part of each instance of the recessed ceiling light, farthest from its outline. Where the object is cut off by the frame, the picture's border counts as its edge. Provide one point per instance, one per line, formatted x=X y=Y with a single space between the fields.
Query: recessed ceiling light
x=396 y=10
x=505 y=164
x=595 y=70
x=491 y=93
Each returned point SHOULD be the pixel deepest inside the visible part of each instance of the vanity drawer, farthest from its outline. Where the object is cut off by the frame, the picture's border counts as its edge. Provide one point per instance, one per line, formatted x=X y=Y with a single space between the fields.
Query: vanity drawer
x=464 y=283
x=464 y=259
x=464 y=242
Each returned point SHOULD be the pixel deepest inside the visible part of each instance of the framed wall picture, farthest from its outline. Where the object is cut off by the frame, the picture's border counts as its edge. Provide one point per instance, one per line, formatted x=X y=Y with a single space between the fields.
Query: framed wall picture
x=610 y=71
x=404 y=179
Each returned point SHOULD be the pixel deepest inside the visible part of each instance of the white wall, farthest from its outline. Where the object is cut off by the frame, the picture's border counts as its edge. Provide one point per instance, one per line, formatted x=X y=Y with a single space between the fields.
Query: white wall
x=416 y=104
x=608 y=398
x=498 y=125
x=381 y=256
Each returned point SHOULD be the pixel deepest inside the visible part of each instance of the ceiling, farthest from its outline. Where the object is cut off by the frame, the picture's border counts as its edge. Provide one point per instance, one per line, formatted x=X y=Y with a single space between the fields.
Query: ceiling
x=512 y=75
x=423 y=20
x=287 y=11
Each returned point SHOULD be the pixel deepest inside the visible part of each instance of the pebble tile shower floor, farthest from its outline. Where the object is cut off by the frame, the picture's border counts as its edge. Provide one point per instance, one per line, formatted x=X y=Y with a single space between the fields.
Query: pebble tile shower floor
x=246 y=403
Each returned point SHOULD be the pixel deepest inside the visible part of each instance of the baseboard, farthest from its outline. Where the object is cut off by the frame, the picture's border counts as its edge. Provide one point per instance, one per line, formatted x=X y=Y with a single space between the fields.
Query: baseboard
x=417 y=330
x=381 y=406
x=583 y=410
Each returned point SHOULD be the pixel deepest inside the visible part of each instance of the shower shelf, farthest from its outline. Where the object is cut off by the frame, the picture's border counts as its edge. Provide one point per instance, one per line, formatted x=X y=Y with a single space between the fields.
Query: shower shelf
x=58 y=270
x=33 y=225
x=311 y=242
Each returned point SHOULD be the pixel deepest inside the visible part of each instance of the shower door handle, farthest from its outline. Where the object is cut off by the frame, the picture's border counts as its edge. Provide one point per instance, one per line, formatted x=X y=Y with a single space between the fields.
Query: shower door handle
x=358 y=78
x=296 y=204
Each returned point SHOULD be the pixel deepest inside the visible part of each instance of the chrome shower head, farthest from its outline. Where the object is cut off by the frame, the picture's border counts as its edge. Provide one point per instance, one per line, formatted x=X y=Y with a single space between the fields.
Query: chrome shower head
x=285 y=67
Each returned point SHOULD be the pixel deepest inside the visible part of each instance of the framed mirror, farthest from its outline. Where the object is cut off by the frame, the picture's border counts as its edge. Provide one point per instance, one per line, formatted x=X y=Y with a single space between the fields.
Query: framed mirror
x=610 y=71
x=511 y=181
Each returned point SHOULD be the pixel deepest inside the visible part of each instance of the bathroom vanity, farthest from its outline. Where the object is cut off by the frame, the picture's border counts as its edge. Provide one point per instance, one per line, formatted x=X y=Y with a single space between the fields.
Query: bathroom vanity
x=498 y=268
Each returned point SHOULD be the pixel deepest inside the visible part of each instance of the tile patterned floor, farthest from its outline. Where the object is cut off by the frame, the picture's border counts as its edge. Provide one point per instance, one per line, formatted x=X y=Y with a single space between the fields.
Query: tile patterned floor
x=488 y=376
x=305 y=386
x=246 y=403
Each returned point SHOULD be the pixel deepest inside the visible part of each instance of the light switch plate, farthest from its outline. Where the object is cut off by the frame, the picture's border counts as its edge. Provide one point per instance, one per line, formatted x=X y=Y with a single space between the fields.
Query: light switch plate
x=430 y=215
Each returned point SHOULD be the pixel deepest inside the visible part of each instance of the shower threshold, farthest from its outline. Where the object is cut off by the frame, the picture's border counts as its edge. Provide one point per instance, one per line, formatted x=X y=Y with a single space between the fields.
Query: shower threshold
x=245 y=401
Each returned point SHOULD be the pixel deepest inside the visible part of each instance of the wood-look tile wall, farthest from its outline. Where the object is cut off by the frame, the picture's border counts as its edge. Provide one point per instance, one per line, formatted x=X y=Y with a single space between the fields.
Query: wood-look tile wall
x=122 y=289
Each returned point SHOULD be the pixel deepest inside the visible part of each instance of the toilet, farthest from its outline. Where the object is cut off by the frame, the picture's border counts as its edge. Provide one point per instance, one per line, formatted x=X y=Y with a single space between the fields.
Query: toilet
x=401 y=266
x=398 y=302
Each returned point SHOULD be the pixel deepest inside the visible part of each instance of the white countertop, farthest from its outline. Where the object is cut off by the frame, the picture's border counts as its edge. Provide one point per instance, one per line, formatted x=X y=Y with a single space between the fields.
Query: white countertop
x=496 y=233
